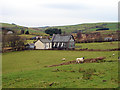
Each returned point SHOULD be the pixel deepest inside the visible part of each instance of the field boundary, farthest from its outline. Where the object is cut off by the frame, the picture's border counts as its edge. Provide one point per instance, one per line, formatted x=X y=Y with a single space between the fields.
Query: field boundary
x=115 y=49
x=91 y=60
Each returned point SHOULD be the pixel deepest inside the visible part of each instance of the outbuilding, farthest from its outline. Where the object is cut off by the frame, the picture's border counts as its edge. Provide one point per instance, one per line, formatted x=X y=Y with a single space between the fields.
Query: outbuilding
x=30 y=46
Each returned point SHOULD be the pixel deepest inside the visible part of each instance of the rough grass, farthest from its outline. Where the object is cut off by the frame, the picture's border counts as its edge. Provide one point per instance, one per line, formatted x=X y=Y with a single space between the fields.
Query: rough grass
x=103 y=45
x=26 y=69
x=89 y=27
x=68 y=76
x=27 y=36
x=18 y=28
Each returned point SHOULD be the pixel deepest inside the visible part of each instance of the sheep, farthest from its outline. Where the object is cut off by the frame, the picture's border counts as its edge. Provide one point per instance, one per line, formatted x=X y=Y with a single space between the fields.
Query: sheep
x=78 y=60
x=63 y=59
x=113 y=54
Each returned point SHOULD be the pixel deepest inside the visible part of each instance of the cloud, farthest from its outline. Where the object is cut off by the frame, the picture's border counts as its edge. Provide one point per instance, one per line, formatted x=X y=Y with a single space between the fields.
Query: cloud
x=57 y=12
x=71 y=6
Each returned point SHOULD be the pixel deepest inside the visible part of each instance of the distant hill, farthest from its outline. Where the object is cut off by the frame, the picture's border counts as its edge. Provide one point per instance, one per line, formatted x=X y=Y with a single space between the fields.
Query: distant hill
x=18 y=28
x=87 y=27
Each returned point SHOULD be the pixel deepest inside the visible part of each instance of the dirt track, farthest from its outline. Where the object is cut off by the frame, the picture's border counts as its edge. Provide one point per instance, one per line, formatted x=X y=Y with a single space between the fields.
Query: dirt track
x=91 y=60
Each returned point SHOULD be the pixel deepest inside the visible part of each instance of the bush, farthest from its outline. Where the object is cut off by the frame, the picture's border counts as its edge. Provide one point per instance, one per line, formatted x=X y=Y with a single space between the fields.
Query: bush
x=27 y=32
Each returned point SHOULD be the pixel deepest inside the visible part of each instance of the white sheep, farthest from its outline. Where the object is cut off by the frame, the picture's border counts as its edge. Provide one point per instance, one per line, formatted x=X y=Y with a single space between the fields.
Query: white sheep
x=63 y=59
x=80 y=60
x=113 y=54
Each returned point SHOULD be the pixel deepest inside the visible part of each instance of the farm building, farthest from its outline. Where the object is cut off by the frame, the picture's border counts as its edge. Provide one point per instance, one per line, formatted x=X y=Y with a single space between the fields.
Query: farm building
x=43 y=44
x=9 y=32
x=36 y=38
x=30 y=46
x=63 y=42
x=108 y=39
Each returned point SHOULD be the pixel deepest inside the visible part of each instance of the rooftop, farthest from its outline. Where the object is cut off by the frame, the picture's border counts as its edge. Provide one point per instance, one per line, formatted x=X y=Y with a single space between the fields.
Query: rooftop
x=59 y=38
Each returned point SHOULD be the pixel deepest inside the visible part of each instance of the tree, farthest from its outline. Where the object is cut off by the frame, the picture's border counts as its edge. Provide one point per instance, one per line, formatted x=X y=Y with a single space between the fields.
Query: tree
x=14 y=41
x=27 y=32
x=22 y=31
x=79 y=35
x=52 y=31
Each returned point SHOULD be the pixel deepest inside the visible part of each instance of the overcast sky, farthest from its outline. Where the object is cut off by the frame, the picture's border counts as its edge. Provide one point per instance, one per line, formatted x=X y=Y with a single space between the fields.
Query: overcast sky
x=38 y=13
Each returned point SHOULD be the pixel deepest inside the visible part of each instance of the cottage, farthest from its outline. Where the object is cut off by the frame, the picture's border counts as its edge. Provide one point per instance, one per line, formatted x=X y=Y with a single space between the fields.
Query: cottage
x=43 y=44
x=108 y=39
x=10 y=32
x=63 y=42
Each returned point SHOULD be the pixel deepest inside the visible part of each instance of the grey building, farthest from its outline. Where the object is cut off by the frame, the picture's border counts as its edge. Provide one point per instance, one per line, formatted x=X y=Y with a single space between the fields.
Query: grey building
x=63 y=42
x=108 y=39
x=30 y=46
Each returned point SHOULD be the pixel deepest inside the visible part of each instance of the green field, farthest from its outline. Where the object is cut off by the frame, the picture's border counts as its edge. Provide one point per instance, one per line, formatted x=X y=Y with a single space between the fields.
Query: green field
x=19 y=28
x=26 y=69
x=103 y=45
x=88 y=27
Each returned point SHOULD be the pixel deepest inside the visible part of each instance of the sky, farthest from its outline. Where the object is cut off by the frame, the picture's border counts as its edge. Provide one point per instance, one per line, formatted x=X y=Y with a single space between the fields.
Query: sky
x=38 y=13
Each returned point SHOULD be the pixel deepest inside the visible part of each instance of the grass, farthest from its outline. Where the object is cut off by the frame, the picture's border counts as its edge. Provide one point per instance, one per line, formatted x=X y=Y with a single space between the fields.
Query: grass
x=25 y=69
x=89 y=27
x=31 y=41
x=19 y=28
x=42 y=78
x=27 y=36
x=103 y=45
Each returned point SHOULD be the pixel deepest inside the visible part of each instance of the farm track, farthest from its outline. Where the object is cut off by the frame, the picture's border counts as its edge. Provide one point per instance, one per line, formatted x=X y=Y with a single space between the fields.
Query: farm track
x=91 y=60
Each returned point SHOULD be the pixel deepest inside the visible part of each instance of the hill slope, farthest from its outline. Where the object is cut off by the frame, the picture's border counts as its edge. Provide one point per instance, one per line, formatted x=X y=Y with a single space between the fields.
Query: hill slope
x=87 y=27
x=18 y=28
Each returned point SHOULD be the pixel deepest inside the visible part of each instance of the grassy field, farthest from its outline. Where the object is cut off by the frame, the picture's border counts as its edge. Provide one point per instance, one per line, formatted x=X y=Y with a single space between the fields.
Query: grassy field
x=19 y=28
x=26 y=69
x=88 y=27
x=103 y=45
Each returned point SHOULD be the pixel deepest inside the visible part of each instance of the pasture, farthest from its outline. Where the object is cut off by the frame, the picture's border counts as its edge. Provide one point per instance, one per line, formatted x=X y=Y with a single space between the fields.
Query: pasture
x=26 y=69
x=101 y=46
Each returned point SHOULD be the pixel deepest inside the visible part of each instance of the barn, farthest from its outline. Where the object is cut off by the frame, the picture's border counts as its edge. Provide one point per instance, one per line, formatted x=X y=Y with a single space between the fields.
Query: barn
x=43 y=44
x=63 y=41
x=30 y=46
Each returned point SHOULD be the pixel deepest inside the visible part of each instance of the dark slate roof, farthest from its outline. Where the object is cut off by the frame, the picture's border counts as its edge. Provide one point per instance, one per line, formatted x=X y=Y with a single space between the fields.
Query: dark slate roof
x=30 y=44
x=45 y=40
x=58 y=38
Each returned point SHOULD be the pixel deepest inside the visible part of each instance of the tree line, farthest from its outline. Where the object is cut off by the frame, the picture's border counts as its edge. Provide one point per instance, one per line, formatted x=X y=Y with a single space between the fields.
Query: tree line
x=14 y=41
x=52 y=31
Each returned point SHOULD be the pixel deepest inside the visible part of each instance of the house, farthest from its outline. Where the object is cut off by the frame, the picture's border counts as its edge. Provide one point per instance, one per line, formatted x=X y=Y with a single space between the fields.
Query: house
x=63 y=42
x=43 y=44
x=36 y=38
x=108 y=39
x=9 y=32
x=30 y=46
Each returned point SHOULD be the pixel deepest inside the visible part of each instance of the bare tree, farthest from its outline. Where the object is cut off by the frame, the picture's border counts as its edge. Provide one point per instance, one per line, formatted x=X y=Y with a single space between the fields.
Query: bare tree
x=79 y=35
x=14 y=41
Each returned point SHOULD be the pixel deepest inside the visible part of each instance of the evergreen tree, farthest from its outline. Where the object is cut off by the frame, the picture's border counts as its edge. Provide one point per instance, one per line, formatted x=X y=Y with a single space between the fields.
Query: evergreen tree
x=52 y=31
x=27 y=32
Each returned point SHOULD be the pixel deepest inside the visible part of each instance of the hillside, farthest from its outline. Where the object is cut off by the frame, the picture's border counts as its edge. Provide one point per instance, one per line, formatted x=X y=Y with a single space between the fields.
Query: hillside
x=87 y=27
x=18 y=28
